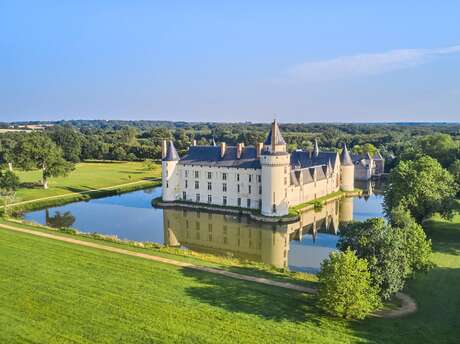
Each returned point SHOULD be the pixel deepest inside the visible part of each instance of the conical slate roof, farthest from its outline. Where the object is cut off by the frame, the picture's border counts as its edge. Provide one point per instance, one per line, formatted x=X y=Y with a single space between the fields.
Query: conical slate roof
x=345 y=157
x=274 y=136
x=171 y=153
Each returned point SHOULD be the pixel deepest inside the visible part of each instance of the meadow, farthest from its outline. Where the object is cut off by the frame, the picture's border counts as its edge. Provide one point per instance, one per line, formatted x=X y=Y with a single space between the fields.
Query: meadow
x=86 y=176
x=58 y=292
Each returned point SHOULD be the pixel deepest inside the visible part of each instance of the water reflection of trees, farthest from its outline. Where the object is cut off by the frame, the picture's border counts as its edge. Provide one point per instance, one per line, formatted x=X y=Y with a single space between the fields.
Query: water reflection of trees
x=59 y=220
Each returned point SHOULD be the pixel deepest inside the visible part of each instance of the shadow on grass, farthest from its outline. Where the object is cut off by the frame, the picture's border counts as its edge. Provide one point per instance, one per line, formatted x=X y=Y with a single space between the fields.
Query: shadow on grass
x=264 y=301
x=436 y=320
x=31 y=185
x=445 y=236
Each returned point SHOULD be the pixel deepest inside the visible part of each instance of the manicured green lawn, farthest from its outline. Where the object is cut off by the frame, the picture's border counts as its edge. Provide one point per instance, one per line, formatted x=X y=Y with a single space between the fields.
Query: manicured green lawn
x=57 y=292
x=53 y=292
x=86 y=176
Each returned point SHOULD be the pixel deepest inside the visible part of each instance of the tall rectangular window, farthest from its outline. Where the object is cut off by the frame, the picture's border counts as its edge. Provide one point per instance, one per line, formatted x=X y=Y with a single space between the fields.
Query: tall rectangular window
x=209 y=175
x=250 y=178
x=186 y=183
x=249 y=189
x=184 y=195
x=209 y=199
x=224 y=200
x=238 y=187
x=259 y=178
x=197 y=184
x=209 y=186
x=197 y=174
x=198 y=198
x=186 y=173
x=237 y=177
x=239 y=202
x=248 y=202
x=224 y=187
x=260 y=189
x=224 y=176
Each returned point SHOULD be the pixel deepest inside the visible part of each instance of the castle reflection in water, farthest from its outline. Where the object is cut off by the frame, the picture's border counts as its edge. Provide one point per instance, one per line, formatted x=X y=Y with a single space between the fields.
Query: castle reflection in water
x=240 y=237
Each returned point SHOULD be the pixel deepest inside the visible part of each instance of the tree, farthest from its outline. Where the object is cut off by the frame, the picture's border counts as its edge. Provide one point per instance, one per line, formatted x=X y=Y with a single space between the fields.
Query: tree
x=417 y=247
x=454 y=170
x=9 y=182
x=366 y=148
x=69 y=140
x=421 y=186
x=37 y=150
x=383 y=248
x=345 y=287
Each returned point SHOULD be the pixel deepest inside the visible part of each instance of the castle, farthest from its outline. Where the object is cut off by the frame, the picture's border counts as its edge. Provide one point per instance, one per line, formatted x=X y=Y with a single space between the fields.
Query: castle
x=264 y=176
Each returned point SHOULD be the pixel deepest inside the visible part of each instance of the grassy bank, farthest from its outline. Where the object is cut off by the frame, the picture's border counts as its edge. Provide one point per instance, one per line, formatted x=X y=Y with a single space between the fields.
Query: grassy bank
x=60 y=293
x=87 y=176
x=88 y=180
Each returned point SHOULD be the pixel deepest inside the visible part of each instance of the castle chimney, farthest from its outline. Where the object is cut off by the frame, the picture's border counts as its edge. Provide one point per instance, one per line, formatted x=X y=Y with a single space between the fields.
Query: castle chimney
x=239 y=150
x=194 y=142
x=259 y=146
x=164 y=149
x=222 y=149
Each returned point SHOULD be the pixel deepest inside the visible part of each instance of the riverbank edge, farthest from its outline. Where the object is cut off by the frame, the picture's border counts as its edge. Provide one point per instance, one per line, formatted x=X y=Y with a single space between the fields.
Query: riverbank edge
x=58 y=200
x=284 y=279
x=241 y=266
x=293 y=216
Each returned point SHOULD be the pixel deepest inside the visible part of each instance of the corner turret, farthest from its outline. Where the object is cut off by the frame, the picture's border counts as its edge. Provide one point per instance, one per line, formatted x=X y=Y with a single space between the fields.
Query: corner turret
x=348 y=171
x=170 y=174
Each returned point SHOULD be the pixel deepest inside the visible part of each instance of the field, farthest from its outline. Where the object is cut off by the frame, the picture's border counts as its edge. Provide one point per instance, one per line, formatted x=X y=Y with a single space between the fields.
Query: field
x=58 y=292
x=86 y=176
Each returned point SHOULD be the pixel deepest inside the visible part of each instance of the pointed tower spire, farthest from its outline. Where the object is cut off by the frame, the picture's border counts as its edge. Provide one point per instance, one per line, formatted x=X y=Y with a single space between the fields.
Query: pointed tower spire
x=171 y=154
x=316 y=151
x=345 y=157
x=275 y=141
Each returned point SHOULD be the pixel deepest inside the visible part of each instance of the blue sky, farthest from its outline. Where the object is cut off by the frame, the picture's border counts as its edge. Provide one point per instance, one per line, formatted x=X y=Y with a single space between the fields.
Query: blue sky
x=305 y=61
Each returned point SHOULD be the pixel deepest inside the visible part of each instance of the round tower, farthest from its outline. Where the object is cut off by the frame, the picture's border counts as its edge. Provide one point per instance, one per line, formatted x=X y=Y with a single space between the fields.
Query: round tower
x=275 y=164
x=170 y=173
x=347 y=169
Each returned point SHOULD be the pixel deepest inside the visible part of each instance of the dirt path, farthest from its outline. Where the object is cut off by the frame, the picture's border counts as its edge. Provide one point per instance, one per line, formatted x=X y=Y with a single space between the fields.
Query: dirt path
x=408 y=305
x=79 y=193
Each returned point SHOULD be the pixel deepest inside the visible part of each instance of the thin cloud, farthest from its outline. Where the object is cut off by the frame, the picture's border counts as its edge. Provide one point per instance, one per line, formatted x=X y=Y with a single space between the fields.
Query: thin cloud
x=363 y=64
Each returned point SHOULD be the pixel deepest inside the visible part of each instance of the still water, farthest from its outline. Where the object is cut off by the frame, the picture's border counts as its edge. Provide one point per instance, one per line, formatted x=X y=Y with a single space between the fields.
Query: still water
x=300 y=246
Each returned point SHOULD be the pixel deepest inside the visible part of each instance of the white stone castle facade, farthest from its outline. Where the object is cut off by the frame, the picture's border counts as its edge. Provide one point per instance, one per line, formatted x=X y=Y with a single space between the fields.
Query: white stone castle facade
x=264 y=176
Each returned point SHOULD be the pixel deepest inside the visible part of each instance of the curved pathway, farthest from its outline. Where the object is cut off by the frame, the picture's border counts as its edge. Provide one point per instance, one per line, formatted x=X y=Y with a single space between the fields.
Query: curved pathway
x=408 y=305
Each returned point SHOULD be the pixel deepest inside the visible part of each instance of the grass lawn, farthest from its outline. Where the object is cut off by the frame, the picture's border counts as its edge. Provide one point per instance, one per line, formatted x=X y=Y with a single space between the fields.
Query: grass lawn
x=57 y=292
x=86 y=176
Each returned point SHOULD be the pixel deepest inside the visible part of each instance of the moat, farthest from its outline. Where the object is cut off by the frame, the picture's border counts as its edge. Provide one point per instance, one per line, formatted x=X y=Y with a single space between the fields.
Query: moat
x=300 y=246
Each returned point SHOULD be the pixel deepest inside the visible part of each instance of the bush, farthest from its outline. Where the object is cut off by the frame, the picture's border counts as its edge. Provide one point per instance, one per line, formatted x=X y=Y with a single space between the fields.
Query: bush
x=345 y=287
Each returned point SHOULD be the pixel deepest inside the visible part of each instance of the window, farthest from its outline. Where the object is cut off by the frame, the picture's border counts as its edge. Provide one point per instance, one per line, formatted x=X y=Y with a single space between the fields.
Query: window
x=197 y=184
x=250 y=178
x=259 y=178
x=224 y=200
x=260 y=204
x=209 y=199
x=197 y=174
x=237 y=177
x=184 y=195
x=186 y=173
x=167 y=184
x=239 y=202
x=248 y=201
x=224 y=176
x=249 y=189
x=274 y=208
x=285 y=181
x=209 y=186
x=198 y=198
x=224 y=187
x=209 y=175
x=186 y=183
x=260 y=189
x=238 y=187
